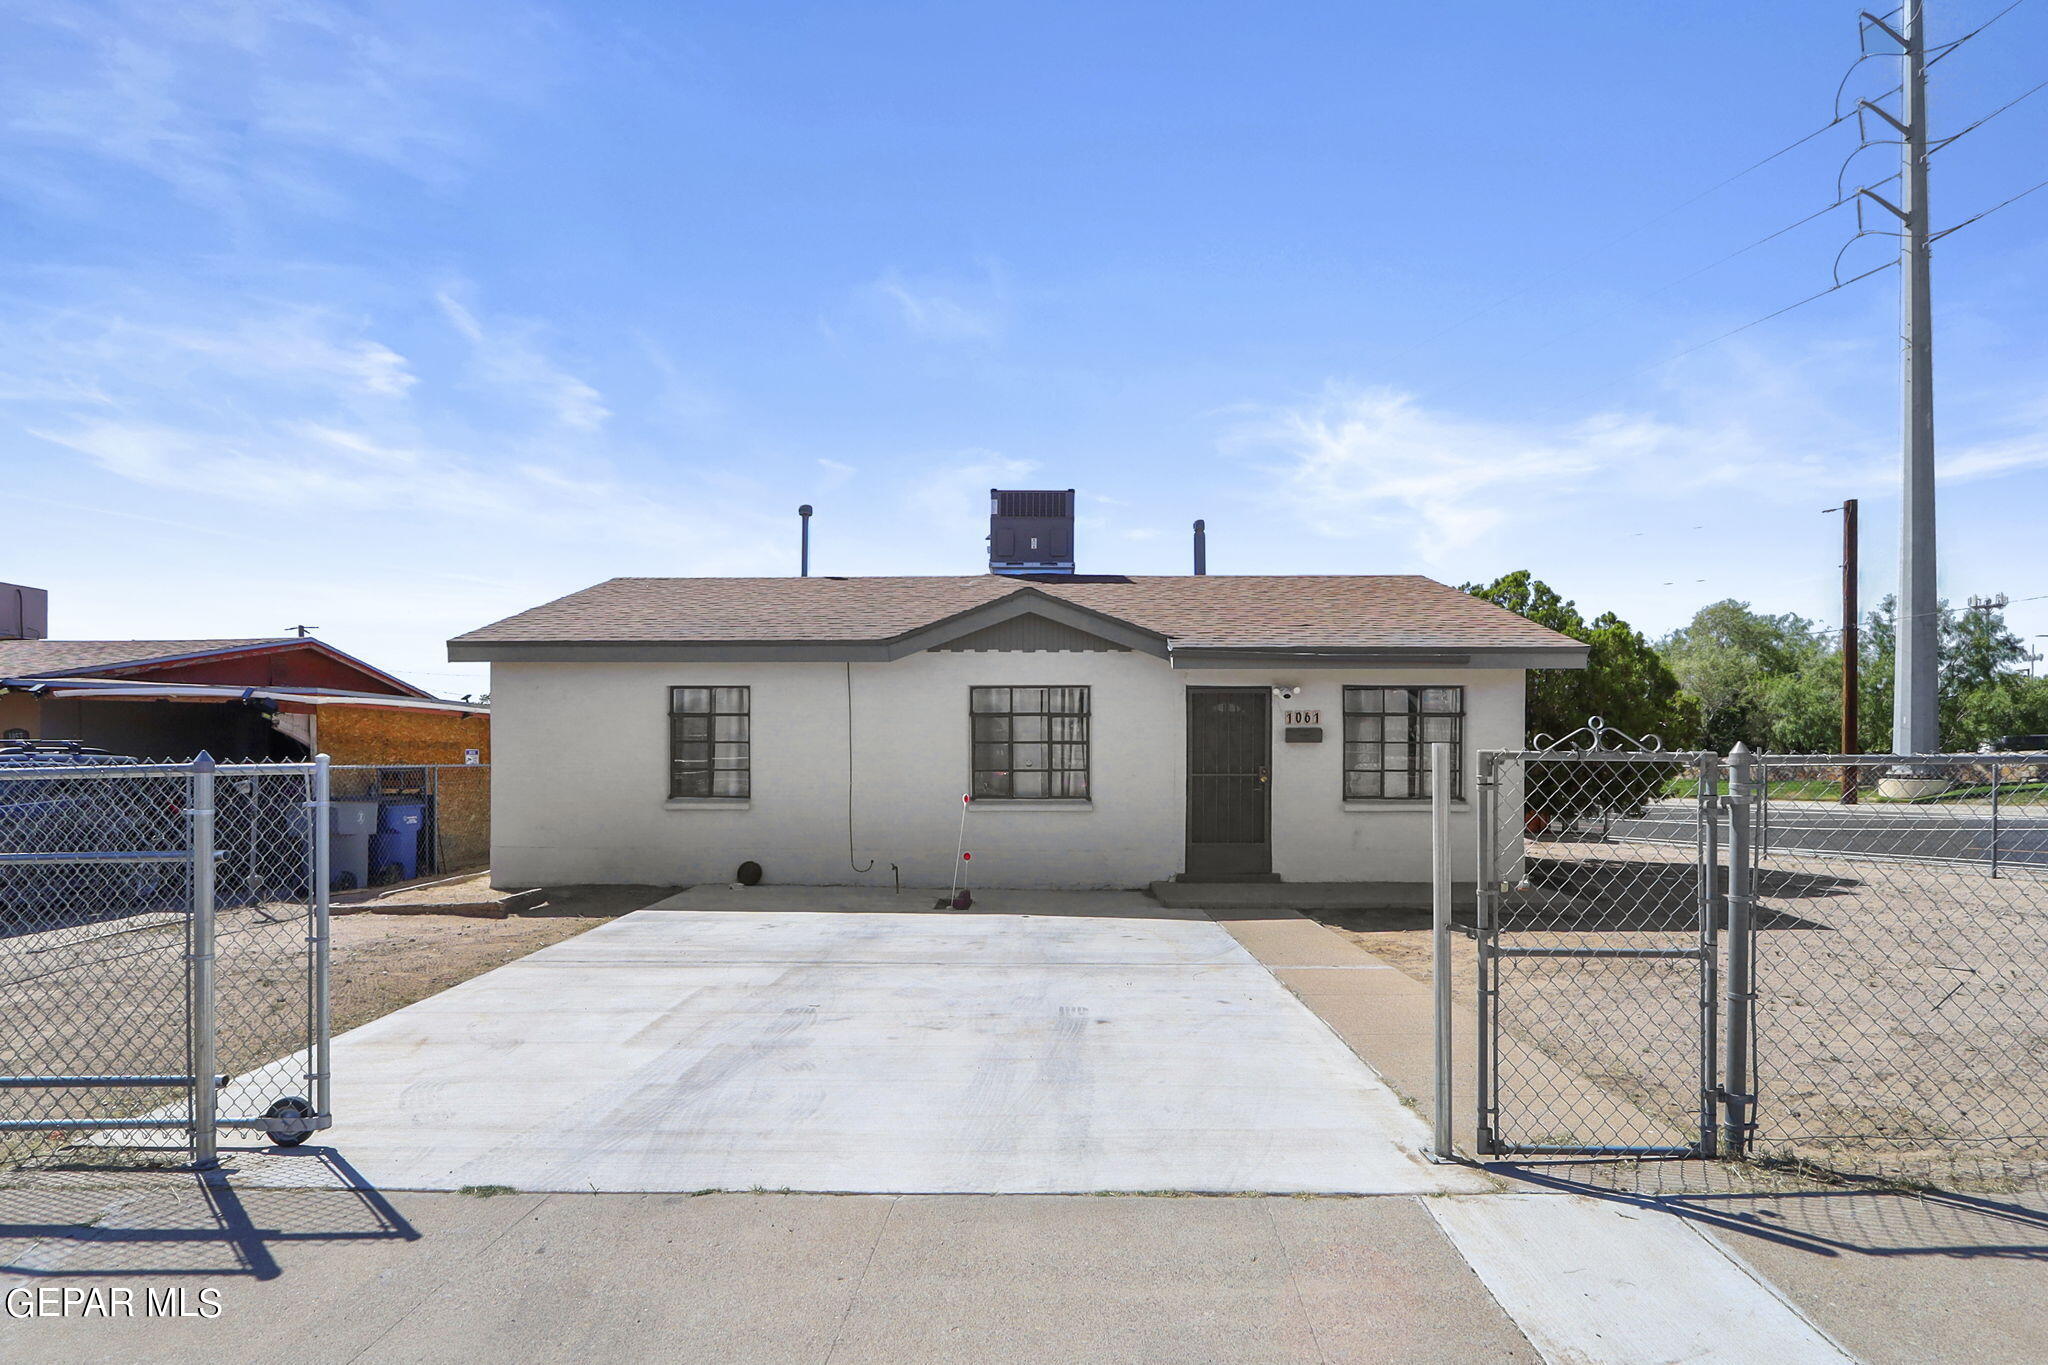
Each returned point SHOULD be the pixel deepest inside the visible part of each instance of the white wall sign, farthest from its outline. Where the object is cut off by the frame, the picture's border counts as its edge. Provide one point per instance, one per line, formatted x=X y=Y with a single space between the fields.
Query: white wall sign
x=1301 y=717
x=472 y=755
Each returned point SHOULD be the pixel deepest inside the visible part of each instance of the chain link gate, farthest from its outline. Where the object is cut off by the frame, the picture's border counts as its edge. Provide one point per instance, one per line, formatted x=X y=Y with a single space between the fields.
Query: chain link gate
x=1836 y=961
x=163 y=950
x=1597 y=920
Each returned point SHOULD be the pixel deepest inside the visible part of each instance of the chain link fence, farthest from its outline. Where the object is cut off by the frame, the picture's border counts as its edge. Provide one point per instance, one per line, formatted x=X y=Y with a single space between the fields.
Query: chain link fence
x=419 y=819
x=1901 y=1011
x=163 y=950
x=1834 y=961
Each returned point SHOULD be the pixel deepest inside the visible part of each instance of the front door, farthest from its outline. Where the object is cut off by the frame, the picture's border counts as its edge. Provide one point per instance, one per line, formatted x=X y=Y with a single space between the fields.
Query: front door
x=1229 y=770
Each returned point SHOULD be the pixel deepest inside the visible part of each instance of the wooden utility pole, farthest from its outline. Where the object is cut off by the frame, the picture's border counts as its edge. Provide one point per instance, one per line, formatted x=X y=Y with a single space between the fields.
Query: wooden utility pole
x=1850 y=650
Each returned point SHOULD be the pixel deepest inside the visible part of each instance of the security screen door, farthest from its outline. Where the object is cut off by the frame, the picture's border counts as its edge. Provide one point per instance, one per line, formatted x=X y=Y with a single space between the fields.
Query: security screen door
x=1230 y=758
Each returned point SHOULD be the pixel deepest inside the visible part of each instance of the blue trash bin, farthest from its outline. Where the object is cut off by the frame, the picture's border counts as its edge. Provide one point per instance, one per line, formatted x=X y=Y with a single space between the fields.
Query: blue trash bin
x=395 y=847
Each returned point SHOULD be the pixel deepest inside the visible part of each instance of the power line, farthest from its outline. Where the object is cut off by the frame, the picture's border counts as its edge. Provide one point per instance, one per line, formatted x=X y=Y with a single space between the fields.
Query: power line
x=1839 y=202
x=1768 y=237
x=1953 y=44
x=1988 y=212
x=1941 y=143
x=1733 y=331
x=1778 y=313
x=1622 y=237
x=1895 y=617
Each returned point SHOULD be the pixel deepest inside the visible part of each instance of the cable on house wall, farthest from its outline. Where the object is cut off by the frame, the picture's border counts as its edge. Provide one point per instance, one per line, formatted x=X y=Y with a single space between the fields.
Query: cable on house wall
x=849 y=775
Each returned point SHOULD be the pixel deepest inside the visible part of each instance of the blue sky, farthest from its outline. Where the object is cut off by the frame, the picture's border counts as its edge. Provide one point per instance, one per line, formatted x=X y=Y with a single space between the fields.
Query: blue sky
x=397 y=318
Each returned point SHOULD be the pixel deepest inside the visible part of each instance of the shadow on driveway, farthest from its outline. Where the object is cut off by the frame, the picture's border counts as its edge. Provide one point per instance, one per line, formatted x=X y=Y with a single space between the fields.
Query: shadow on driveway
x=129 y=1216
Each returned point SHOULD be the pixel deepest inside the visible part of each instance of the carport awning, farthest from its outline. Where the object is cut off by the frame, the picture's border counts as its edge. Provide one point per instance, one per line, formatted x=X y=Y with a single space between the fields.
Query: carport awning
x=295 y=697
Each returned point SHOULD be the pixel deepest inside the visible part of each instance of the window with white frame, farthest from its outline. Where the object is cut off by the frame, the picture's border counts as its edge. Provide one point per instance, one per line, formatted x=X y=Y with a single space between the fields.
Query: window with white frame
x=1030 y=743
x=710 y=742
x=1387 y=734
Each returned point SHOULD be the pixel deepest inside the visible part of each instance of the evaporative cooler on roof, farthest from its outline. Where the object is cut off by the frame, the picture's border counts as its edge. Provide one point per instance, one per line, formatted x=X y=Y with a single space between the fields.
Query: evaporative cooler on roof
x=1030 y=530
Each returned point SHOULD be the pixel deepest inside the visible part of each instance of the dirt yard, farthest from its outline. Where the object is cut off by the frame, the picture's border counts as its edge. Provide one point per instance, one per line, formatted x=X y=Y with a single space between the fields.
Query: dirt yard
x=109 y=998
x=384 y=962
x=1901 y=1019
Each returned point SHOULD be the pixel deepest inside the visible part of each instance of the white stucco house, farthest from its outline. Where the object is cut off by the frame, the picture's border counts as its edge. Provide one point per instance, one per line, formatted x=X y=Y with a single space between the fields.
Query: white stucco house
x=1112 y=731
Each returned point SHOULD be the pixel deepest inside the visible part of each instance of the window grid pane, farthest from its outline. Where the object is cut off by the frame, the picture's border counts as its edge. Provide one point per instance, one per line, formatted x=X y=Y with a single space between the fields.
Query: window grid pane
x=710 y=742
x=1029 y=743
x=1387 y=734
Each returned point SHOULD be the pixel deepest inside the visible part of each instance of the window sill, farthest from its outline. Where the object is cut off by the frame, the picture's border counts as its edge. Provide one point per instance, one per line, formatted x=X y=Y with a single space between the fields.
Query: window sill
x=1457 y=803
x=708 y=803
x=1030 y=803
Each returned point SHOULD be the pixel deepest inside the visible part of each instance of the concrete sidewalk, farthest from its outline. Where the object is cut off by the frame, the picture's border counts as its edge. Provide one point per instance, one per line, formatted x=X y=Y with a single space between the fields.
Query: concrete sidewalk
x=318 y=1276
x=313 y=1255
x=1892 y=1276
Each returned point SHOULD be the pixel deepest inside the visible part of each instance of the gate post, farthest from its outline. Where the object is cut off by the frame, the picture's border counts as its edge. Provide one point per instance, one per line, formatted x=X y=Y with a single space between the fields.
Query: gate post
x=1486 y=793
x=1736 y=1099
x=1440 y=936
x=1712 y=911
x=320 y=938
x=201 y=1044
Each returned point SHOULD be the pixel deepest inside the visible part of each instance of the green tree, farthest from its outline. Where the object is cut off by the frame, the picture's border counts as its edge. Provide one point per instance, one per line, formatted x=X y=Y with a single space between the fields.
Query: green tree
x=1980 y=696
x=1761 y=680
x=1802 y=709
x=1624 y=682
x=2009 y=705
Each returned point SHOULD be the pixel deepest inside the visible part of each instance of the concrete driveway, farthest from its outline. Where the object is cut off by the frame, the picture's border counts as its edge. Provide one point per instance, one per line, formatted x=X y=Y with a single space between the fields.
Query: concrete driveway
x=852 y=1040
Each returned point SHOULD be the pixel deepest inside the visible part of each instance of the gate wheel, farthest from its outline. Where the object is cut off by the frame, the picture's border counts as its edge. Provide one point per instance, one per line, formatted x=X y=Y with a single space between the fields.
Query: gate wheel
x=287 y=1121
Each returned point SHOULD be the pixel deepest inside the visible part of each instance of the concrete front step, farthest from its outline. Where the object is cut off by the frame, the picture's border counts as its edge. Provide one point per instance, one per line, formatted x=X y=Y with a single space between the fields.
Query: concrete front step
x=1180 y=895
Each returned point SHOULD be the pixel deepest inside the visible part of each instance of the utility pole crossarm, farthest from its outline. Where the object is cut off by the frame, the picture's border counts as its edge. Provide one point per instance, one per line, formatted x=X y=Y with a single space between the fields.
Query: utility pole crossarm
x=1882 y=113
x=1891 y=32
x=1887 y=204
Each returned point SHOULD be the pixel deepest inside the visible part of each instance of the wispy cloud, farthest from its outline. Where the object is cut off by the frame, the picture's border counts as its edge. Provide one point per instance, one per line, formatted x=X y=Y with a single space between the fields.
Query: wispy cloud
x=1989 y=459
x=509 y=357
x=294 y=410
x=950 y=497
x=1374 y=461
x=937 y=311
x=227 y=101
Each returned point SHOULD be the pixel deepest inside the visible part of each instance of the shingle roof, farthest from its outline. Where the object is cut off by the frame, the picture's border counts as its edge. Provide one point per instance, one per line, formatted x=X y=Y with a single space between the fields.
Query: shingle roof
x=1295 y=611
x=33 y=658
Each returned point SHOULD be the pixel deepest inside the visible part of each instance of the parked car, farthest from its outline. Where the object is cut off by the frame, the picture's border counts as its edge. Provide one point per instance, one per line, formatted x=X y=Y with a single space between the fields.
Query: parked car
x=100 y=823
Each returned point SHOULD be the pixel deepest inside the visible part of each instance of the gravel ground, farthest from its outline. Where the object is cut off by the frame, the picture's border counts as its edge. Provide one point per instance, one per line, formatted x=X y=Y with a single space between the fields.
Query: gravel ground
x=1901 y=1018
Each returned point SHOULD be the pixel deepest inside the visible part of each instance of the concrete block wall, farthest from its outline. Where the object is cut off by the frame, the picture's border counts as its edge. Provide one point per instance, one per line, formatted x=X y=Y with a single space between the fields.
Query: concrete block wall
x=580 y=781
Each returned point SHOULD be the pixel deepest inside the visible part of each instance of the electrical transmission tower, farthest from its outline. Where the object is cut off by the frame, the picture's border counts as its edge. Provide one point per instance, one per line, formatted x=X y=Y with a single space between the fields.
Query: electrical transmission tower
x=1915 y=715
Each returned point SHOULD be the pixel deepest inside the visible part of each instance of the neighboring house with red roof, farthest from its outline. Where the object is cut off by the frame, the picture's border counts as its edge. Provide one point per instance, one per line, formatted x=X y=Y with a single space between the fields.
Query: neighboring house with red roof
x=263 y=698
x=1112 y=730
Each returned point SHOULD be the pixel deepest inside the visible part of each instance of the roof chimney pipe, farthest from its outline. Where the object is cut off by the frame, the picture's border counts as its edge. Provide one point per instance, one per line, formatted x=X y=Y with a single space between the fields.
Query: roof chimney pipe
x=1201 y=547
x=804 y=564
